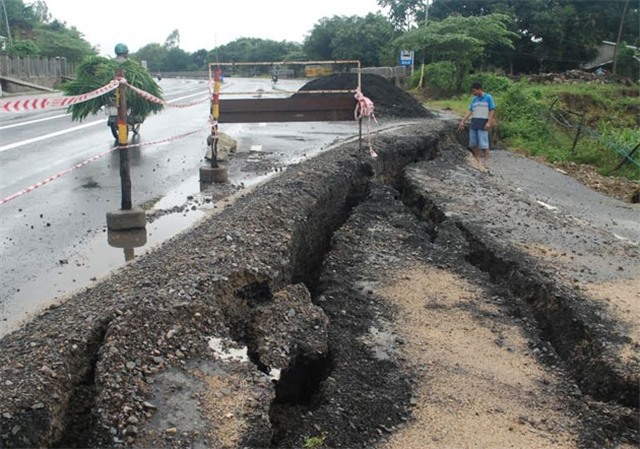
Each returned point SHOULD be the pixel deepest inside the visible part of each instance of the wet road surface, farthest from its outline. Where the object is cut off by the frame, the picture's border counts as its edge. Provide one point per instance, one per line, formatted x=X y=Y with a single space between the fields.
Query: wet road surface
x=54 y=240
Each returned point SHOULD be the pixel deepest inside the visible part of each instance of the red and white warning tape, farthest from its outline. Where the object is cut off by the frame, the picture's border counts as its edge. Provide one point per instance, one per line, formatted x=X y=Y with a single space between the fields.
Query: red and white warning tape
x=154 y=99
x=37 y=104
x=56 y=176
x=87 y=162
x=365 y=108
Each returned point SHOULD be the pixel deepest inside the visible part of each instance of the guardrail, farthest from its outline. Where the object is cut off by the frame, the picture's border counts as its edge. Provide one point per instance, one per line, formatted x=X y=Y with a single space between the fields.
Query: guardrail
x=35 y=66
x=387 y=72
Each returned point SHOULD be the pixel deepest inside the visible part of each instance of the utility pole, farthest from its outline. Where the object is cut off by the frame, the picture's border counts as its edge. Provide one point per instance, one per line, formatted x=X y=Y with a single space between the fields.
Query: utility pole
x=6 y=21
x=424 y=51
x=615 y=50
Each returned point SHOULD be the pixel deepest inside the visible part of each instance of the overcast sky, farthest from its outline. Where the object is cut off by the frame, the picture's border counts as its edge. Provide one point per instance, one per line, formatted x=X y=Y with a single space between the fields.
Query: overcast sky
x=201 y=23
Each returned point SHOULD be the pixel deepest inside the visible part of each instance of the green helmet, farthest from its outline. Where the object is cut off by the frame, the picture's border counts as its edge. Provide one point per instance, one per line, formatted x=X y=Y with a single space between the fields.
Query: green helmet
x=121 y=49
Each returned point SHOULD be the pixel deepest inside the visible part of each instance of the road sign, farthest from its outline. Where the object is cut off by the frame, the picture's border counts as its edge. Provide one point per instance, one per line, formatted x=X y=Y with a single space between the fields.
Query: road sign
x=406 y=57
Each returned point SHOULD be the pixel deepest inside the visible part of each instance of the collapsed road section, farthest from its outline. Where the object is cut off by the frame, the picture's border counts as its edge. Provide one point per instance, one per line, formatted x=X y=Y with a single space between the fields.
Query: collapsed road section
x=348 y=302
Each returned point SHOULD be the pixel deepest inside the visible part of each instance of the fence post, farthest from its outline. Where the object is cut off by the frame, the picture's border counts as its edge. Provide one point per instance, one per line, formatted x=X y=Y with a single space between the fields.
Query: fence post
x=123 y=137
x=575 y=141
x=214 y=173
x=627 y=158
x=127 y=218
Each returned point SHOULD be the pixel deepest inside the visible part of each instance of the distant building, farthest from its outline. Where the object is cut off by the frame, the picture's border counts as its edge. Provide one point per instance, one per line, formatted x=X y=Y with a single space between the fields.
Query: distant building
x=604 y=60
x=3 y=43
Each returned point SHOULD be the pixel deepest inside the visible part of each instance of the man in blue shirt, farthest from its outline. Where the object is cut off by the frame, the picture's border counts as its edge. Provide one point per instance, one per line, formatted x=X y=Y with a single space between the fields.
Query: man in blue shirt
x=481 y=110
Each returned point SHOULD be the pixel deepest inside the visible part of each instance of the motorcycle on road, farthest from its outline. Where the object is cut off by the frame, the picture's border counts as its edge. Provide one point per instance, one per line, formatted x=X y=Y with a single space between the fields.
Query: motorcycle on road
x=133 y=122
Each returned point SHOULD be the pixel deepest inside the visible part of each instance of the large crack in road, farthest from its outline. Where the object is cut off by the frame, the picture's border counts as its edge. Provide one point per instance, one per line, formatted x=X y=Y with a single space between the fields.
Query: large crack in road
x=348 y=302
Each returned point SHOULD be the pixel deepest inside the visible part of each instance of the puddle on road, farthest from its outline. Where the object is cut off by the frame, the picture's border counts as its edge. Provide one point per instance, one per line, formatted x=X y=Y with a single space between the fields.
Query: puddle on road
x=101 y=255
x=96 y=258
x=225 y=350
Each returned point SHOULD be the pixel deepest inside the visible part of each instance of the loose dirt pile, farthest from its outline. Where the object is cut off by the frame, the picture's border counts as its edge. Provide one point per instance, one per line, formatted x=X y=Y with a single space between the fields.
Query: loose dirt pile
x=389 y=100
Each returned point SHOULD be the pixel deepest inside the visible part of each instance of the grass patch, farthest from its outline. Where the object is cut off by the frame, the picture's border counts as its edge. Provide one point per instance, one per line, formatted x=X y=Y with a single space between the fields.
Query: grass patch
x=611 y=112
x=458 y=104
x=314 y=442
x=148 y=205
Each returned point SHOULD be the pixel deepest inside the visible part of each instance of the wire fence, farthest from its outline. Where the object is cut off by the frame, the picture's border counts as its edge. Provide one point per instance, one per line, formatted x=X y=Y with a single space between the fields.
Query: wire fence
x=561 y=120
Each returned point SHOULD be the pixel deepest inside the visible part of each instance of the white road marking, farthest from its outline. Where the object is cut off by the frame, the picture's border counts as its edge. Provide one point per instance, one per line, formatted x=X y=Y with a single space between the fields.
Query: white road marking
x=262 y=124
x=256 y=147
x=31 y=122
x=50 y=135
x=65 y=131
x=185 y=97
x=546 y=206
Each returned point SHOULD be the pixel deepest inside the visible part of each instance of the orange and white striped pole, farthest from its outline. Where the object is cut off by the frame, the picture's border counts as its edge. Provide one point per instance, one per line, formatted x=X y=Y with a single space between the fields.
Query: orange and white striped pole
x=215 y=114
x=123 y=140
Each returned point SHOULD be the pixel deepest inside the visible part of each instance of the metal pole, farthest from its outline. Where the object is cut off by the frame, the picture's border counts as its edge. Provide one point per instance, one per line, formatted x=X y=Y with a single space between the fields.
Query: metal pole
x=123 y=137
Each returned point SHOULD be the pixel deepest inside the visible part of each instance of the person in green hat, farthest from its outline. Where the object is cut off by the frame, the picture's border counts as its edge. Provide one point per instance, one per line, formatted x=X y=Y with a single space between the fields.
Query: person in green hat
x=122 y=52
x=97 y=71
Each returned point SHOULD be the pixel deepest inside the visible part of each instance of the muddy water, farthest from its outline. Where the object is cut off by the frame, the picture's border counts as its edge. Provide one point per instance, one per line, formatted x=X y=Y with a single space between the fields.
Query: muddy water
x=101 y=255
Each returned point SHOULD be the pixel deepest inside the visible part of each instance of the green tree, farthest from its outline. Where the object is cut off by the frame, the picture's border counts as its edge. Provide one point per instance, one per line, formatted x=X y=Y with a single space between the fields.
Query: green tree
x=51 y=38
x=556 y=34
x=253 y=50
x=65 y=42
x=173 y=40
x=200 y=59
x=405 y=14
x=364 y=38
x=41 y=11
x=628 y=65
x=319 y=43
x=21 y=18
x=460 y=40
x=177 y=60
x=155 y=55
x=23 y=48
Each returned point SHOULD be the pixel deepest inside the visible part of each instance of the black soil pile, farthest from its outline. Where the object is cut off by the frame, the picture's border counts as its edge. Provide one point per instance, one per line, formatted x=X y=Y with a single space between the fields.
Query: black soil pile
x=389 y=100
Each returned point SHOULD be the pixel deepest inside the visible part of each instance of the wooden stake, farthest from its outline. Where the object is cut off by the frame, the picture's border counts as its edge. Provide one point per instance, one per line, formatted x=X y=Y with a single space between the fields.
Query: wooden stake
x=123 y=140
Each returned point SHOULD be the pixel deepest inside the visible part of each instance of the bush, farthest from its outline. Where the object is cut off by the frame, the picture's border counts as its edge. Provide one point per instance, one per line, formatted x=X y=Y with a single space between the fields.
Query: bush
x=491 y=82
x=414 y=80
x=23 y=48
x=440 y=75
x=521 y=116
x=627 y=64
